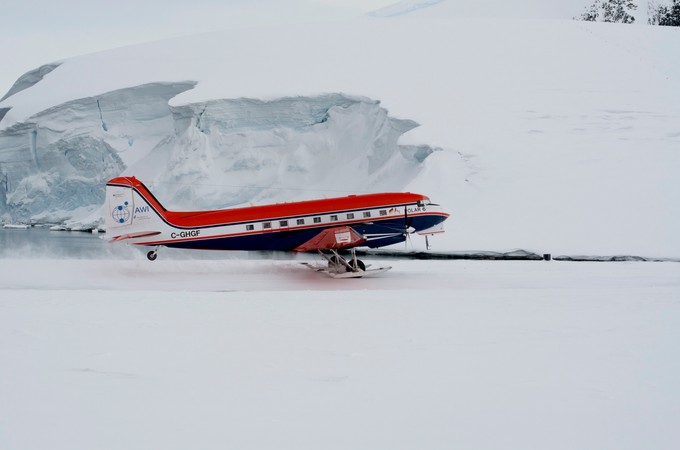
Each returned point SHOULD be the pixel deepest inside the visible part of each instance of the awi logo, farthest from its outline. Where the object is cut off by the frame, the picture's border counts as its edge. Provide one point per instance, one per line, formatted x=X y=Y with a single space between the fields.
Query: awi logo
x=121 y=213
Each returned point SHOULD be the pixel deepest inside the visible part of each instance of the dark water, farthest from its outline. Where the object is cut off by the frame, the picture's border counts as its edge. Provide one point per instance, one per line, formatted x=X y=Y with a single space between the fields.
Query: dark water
x=36 y=242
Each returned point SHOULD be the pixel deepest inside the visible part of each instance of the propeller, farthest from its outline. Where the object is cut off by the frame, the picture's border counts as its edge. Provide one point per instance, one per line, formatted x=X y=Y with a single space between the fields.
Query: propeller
x=408 y=229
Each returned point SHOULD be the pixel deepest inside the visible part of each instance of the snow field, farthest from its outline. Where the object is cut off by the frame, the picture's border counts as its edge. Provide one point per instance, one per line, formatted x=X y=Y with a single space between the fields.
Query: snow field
x=554 y=136
x=267 y=354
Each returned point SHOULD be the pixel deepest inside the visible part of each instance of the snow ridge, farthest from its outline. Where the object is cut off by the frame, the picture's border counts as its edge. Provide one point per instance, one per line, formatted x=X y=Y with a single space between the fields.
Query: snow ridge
x=29 y=79
x=403 y=7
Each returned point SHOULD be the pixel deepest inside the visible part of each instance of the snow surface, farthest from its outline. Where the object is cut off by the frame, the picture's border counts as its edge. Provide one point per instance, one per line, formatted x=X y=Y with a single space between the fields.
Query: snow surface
x=553 y=136
x=251 y=354
x=548 y=135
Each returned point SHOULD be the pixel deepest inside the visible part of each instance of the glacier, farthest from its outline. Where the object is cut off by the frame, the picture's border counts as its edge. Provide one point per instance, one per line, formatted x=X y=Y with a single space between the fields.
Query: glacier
x=212 y=154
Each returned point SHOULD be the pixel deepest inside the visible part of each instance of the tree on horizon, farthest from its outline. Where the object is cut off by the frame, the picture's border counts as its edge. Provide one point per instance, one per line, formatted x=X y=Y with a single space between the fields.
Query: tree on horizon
x=615 y=11
x=664 y=15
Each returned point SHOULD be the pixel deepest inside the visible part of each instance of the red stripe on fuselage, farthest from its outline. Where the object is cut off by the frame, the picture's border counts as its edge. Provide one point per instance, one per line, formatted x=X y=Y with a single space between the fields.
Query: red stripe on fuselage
x=196 y=219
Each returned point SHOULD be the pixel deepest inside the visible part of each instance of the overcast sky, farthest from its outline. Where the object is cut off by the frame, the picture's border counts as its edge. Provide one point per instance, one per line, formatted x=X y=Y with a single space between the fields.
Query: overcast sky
x=35 y=32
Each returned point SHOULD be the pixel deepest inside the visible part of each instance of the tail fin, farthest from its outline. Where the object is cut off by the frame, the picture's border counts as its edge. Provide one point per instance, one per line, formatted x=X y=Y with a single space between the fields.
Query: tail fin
x=131 y=209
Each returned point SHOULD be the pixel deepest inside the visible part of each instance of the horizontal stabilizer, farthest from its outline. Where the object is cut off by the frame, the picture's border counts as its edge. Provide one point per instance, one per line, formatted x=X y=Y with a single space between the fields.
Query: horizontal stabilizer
x=139 y=234
x=338 y=237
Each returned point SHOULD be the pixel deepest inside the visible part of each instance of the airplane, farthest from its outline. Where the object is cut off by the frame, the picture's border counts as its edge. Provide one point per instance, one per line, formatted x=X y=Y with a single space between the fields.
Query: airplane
x=136 y=217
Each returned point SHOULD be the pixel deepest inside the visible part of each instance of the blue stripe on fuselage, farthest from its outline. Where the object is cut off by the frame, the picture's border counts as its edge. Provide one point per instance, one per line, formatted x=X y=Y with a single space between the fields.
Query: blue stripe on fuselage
x=291 y=239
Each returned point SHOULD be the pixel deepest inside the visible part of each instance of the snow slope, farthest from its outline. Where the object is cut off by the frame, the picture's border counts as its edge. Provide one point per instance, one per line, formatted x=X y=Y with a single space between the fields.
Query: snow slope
x=549 y=135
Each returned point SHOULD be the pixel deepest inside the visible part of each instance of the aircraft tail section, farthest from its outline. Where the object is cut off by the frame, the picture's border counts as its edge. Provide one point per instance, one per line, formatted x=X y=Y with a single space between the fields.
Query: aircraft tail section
x=131 y=210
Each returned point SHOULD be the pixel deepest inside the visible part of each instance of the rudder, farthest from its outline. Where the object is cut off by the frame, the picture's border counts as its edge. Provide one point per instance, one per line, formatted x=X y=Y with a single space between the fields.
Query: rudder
x=132 y=208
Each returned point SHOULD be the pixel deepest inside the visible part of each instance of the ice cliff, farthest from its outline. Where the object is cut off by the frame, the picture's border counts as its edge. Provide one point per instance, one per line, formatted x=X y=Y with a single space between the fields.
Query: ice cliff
x=210 y=154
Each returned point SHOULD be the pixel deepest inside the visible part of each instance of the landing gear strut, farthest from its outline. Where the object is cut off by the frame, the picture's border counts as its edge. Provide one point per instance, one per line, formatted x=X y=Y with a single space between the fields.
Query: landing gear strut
x=340 y=267
x=339 y=264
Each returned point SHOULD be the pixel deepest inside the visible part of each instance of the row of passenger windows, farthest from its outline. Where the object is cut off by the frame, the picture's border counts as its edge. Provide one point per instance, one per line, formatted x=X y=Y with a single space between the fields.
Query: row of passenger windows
x=333 y=218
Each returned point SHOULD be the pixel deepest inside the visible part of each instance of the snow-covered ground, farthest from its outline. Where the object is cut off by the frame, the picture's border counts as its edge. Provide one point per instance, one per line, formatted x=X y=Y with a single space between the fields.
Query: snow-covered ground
x=251 y=354
x=550 y=135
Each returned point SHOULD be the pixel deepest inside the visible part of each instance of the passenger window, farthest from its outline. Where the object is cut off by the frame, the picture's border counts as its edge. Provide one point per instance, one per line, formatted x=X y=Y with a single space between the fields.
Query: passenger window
x=301 y=221
x=367 y=214
x=266 y=225
x=317 y=220
x=383 y=212
x=250 y=227
x=283 y=223
x=350 y=216
x=334 y=218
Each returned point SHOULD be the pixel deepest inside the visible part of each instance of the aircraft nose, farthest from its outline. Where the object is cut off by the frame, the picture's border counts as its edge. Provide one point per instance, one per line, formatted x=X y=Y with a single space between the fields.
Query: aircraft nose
x=432 y=221
x=438 y=210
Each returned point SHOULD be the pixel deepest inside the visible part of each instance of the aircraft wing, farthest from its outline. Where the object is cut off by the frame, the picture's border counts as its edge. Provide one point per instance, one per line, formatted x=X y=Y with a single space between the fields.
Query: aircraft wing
x=338 y=237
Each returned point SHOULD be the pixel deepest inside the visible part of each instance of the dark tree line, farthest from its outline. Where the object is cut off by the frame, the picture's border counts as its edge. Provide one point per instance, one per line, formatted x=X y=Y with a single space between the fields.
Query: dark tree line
x=618 y=11
x=661 y=12
x=665 y=15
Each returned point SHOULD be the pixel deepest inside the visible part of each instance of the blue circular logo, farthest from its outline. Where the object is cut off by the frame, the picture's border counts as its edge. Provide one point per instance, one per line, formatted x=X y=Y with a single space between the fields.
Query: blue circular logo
x=121 y=213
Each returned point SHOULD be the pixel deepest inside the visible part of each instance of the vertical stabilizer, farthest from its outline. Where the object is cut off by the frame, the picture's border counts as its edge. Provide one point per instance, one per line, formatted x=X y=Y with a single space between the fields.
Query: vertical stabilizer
x=120 y=206
x=131 y=210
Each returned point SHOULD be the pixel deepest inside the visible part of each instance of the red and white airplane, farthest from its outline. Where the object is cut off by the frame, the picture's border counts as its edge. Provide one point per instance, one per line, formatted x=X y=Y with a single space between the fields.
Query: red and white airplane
x=135 y=216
